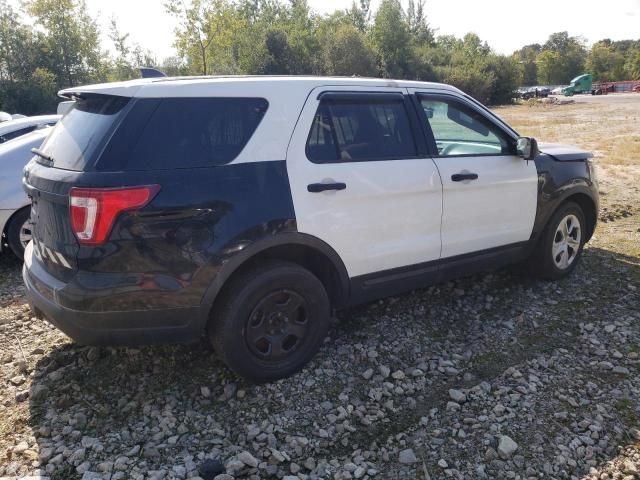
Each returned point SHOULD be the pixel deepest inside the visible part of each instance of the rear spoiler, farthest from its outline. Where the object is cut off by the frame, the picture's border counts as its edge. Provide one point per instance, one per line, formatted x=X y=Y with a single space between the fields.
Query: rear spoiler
x=122 y=89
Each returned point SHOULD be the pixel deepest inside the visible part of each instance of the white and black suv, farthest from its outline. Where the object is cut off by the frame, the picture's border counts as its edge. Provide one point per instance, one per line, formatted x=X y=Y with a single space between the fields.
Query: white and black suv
x=248 y=208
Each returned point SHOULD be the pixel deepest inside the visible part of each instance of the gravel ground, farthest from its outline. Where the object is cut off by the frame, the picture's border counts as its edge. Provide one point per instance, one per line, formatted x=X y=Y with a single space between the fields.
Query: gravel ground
x=492 y=376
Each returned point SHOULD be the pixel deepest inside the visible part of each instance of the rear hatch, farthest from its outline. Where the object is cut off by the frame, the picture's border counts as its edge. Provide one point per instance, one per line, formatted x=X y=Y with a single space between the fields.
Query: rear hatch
x=67 y=159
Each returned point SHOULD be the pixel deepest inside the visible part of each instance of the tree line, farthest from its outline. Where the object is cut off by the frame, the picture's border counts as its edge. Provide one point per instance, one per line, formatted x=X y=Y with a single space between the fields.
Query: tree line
x=261 y=37
x=563 y=57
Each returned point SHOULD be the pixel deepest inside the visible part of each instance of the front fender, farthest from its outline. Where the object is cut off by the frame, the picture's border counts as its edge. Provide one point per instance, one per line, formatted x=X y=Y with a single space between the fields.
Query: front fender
x=557 y=181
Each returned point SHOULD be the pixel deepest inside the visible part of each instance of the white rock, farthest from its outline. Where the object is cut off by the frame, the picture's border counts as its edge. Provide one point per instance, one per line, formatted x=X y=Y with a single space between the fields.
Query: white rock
x=407 y=456
x=91 y=476
x=506 y=447
x=457 y=396
x=248 y=459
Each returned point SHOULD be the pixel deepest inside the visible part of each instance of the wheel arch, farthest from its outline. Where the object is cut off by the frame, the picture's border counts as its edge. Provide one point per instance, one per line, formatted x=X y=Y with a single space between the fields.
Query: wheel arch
x=589 y=208
x=302 y=249
x=4 y=233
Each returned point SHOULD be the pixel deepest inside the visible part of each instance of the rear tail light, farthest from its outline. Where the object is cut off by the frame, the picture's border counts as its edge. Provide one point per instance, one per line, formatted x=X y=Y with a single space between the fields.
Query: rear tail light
x=94 y=210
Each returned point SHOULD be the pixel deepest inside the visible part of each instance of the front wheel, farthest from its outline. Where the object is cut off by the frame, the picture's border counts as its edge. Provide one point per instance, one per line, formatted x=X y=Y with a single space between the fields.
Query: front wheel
x=560 y=246
x=271 y=321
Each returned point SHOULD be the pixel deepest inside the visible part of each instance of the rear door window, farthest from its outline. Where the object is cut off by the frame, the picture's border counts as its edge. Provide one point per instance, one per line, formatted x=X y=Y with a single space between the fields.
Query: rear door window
x=81 y=134
x=17 y=133
x=360 y=130
x=196 y=132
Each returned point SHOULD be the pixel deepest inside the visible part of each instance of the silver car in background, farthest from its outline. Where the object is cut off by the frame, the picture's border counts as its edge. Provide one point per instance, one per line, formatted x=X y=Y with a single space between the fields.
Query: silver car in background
x=14 y=203
x=16 y=128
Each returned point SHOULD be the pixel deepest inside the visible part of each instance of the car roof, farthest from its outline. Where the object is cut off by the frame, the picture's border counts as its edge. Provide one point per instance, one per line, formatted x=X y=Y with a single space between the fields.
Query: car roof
x=13 y=125
x=183 y=86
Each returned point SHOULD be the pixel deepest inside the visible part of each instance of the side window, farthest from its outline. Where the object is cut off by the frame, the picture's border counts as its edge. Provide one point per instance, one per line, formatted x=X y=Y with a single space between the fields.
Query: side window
x=351 y=131
x=17 y=133
x=196 y=132
x=460 y=130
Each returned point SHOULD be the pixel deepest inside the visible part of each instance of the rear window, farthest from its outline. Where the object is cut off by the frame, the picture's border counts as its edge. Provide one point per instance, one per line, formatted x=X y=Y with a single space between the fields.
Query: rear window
x=196 y=132
x=81 y=134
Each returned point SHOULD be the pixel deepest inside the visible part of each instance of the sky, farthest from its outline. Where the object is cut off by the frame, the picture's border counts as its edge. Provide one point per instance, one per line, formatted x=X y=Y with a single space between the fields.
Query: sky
x=506 y=25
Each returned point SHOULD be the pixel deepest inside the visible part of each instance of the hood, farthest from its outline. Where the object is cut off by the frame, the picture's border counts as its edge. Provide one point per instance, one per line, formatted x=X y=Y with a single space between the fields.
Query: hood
x=564 y=153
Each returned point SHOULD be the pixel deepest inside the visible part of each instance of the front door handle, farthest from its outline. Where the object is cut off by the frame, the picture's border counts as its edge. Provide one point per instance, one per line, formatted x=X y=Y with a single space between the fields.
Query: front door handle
x=321 y=187
x=461 y=177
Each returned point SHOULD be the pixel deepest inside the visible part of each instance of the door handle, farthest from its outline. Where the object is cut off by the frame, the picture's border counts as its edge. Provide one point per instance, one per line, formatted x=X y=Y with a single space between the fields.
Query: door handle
x=321 y=187
x=460 y=177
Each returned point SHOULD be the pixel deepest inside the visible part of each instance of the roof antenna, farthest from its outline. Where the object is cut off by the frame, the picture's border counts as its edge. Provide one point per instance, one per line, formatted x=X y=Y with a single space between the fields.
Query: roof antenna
x=148 y=72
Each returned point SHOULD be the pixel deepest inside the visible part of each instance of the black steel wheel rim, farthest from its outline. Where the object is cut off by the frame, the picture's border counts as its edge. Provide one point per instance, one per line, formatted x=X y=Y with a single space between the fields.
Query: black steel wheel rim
x=277 y=325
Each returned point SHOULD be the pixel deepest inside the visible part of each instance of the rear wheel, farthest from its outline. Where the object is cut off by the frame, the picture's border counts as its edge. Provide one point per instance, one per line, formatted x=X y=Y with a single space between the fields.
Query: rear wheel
x=560 y=247
x=271 y=321
x=19 y=232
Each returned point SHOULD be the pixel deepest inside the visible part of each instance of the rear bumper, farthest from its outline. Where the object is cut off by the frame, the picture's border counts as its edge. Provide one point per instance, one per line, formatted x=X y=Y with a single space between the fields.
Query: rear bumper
x=139 y=327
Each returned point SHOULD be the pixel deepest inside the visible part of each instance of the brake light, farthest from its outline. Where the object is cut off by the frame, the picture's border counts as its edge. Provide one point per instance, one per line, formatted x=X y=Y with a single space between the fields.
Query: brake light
x=94 y=210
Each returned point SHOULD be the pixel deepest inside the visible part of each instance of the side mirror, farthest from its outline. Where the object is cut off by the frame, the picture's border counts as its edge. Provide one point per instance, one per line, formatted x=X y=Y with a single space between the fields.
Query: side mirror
x=527 y=148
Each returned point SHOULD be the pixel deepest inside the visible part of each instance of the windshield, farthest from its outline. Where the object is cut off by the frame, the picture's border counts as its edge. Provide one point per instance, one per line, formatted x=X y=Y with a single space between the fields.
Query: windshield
x=79 y=137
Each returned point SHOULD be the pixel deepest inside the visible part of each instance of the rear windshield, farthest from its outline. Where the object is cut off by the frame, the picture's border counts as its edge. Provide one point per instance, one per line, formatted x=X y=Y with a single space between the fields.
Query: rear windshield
x=83 y=131
x=196 y=132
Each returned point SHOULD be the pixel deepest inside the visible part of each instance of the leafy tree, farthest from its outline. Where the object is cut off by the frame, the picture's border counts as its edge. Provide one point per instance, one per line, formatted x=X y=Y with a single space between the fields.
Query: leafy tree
x=471 y=79
x=26 y=85
x=391 y=39
x=565 y=61
x=348 y=53
x=206 y=34
x=526 y=58
x=605 y=63
x=632 y=65
x=550 y=68
x=506 y=78
x=72 y=40
x=421 y=32
x=281 y=58
x=129 y=56
x=360 y=14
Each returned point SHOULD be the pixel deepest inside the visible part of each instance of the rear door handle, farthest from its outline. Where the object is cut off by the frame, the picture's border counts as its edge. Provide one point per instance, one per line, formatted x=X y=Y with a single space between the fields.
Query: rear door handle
x=460 y=177
x=321 y=187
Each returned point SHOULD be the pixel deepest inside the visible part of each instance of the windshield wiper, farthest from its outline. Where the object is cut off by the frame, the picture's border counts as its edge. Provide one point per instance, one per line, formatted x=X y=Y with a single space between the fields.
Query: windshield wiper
x=40 y=153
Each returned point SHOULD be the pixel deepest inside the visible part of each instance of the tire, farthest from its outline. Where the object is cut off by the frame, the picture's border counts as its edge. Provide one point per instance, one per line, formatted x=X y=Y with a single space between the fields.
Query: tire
x=557 y=253
x=16 y=231
x=270 y=321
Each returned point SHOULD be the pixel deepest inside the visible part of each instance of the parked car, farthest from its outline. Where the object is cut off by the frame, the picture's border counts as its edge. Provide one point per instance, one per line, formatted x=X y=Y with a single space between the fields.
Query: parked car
x=544 y=92
x=15 y=228
x=15 y=128
x=533 y=92
x=248 y=209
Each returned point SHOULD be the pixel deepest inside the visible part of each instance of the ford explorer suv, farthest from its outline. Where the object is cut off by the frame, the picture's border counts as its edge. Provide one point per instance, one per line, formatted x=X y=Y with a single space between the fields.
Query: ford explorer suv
x=248 y=209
